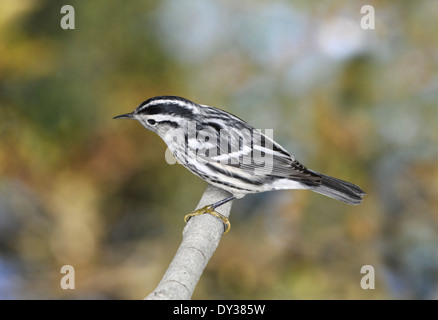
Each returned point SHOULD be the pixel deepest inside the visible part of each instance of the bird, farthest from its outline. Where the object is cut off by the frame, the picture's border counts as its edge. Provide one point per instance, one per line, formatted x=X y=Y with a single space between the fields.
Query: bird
x=230 y=154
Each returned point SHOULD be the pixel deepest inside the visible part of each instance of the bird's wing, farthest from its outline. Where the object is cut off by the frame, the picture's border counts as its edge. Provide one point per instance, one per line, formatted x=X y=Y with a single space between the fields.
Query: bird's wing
x=246 y=151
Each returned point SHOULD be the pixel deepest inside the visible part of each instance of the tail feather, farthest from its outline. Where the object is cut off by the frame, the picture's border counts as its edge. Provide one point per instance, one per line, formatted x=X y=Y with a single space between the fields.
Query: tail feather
x=338 y=189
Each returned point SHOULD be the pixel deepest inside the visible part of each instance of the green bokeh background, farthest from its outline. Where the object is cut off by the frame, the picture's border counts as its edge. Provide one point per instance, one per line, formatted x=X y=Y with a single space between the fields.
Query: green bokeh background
x=78 y=188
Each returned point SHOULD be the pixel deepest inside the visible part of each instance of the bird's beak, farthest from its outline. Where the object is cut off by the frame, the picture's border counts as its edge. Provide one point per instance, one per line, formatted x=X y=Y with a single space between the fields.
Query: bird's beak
x=125 y=116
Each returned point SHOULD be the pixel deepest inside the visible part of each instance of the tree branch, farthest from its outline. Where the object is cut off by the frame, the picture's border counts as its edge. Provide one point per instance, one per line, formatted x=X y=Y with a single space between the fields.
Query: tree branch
x=201 y=237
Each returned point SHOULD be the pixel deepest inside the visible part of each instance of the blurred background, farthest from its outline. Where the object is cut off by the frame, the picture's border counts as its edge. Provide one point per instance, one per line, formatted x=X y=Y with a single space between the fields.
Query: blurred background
x=78 y=188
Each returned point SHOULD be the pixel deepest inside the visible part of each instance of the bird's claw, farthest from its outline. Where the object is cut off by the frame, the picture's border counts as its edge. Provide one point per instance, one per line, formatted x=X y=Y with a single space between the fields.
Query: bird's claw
x=209 y=209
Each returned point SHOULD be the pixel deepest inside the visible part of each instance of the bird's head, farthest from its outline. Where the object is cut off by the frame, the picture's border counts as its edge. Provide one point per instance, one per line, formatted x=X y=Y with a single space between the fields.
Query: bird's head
x=164 y=115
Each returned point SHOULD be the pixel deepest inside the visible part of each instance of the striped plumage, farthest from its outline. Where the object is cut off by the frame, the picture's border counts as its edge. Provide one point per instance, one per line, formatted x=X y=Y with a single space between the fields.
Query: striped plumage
x=228 y=153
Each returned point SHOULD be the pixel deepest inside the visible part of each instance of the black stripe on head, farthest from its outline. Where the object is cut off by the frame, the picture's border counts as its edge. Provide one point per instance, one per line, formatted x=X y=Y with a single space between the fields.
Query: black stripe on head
x=167 y=105
x=169 y=123
x=174 y=98
x=168 y=108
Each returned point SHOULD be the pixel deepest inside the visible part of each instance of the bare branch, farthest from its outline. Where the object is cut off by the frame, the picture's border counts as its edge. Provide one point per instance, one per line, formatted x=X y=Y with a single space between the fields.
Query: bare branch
x=201 y=237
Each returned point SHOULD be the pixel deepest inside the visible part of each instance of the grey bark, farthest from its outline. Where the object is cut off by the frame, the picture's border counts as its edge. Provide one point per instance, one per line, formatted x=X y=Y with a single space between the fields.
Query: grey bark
x=201 y=236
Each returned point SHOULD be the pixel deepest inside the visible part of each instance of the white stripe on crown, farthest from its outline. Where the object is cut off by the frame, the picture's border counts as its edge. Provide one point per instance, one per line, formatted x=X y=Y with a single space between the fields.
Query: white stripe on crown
x=187 y=105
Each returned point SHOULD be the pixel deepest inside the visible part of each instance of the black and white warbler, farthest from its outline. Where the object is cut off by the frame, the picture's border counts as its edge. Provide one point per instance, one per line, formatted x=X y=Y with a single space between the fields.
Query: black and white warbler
x=230 y=154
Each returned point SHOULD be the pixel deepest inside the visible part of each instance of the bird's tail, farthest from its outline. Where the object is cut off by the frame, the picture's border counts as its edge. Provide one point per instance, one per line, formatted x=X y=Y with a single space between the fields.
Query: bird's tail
x=338 y=189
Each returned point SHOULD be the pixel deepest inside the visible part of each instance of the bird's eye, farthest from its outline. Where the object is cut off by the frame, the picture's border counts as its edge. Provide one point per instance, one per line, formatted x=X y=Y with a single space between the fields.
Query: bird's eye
x=152 y=122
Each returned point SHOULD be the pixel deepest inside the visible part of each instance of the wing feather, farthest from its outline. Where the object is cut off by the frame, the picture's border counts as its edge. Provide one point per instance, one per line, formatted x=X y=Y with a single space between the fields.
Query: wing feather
x=247 y=152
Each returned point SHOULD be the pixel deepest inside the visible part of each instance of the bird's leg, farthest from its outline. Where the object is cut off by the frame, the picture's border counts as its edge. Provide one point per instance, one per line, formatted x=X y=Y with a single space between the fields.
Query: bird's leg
x=211 y=210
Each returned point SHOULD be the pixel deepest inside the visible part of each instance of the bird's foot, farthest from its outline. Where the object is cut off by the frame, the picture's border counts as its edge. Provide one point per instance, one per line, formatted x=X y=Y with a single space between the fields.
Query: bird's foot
x=210 y=209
